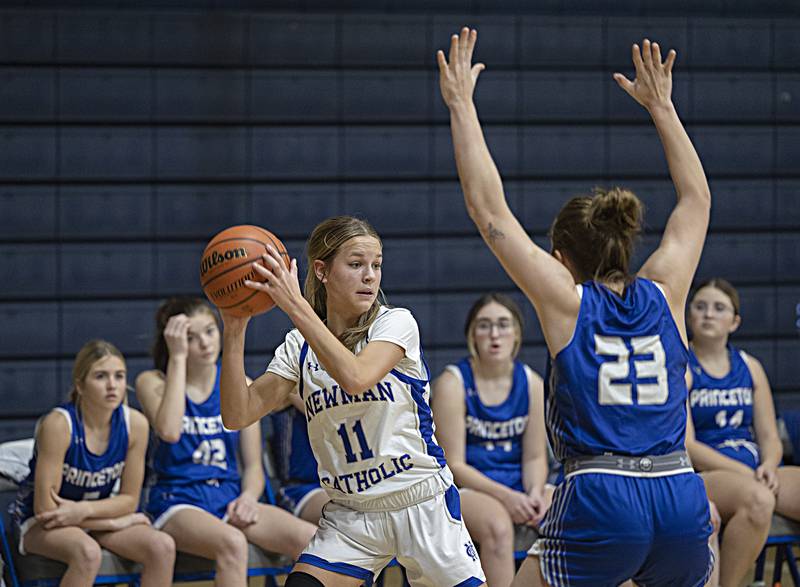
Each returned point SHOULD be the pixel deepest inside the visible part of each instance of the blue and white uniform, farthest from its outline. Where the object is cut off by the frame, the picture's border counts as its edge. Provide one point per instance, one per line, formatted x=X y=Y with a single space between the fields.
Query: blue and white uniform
x=85 y=475
x=722 y=409
x=494 y=433
x=200 y=470
x=294 y=459
x=617 y=389
x=391 y=491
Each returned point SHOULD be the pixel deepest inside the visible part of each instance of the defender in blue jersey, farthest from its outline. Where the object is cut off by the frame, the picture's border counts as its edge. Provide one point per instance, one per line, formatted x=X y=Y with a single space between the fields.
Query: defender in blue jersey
x=630 y=505
x=736 y=444
x=199 y=497
x=85 y=478
x=489 y=414
x=300 y=491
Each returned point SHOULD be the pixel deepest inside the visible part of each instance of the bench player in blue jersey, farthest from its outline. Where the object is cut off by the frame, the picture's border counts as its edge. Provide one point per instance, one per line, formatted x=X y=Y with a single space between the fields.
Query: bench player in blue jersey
x=358 y=366
x=199 y=498
x=736 y=447
x=630 y=505
x=300 y=491
x=67 y=507
x=489 y=414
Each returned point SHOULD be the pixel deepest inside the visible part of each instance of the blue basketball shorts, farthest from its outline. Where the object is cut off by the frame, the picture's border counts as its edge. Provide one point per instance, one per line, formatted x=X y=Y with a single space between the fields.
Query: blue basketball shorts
x=295 y=496
x=603 y=529
x=212 y=496
x=744 y=451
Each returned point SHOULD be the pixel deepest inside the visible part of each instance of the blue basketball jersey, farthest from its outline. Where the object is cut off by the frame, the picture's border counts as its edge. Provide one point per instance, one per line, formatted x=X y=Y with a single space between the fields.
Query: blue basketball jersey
x=722 y=408
x=206 y=449
x=494 y=433
x=85 y=475
x=618 y=386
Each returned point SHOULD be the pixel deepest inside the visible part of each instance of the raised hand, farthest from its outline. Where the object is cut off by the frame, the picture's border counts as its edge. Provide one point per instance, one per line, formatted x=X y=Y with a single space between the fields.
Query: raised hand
x=457 y=75
x=652 y=87
x=176 y=335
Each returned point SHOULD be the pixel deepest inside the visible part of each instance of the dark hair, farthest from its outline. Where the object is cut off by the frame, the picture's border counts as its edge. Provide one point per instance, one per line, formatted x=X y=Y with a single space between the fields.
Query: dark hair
x=725 y=287
x=598 y=232
x=168 y=309
x=485 y=300
x=323 y=245
x=90 y=353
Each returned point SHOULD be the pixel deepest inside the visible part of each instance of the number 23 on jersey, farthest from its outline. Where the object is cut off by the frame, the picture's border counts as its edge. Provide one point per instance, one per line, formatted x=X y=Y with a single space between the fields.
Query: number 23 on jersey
x=650 y=365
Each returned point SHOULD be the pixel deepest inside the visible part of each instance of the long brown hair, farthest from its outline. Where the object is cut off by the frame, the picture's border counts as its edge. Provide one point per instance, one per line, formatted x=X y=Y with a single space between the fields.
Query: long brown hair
x=508 y=304
x=598 y=232
x=90 y=353
x=168 y=309
x=323 y=245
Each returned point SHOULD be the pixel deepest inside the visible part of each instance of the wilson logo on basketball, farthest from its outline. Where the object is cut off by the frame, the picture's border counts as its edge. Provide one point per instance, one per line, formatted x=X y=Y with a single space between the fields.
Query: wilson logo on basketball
x=216 y=258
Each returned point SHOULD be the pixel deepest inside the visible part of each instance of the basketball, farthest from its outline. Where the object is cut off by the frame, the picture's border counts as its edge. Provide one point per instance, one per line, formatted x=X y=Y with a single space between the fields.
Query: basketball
x=227 y=263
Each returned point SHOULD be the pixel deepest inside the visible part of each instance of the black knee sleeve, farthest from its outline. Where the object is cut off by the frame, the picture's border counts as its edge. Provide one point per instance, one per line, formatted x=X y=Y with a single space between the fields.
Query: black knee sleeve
x=298 y=579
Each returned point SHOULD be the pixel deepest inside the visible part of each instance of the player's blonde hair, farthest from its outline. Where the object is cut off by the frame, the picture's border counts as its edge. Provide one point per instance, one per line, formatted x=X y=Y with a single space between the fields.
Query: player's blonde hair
x=90 y=353
x=323 y=245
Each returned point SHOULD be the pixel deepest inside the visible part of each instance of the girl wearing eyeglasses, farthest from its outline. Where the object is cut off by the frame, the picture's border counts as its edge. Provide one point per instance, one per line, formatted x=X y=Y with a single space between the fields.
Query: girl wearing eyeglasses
x=735 y=443
x=489 y=415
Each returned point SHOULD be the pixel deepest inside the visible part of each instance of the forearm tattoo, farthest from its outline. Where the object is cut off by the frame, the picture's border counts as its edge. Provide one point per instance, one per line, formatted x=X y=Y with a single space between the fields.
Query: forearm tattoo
x=493 y=234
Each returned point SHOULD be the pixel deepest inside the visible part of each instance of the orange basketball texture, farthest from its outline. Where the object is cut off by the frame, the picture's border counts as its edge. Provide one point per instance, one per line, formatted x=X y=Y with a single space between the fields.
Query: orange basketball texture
x=227 y=263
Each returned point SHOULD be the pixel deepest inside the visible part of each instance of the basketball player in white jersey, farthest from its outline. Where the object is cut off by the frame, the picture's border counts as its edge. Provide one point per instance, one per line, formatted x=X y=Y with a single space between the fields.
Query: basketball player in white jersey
x=358 y=367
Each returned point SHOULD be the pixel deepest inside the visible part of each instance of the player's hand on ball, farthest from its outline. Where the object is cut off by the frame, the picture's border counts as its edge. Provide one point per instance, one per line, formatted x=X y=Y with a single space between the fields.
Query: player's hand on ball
x=280 y=283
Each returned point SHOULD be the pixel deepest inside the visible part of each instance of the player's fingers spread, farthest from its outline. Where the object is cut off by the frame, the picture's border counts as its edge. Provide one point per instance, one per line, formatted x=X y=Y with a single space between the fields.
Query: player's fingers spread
x=647 y=53
x=636 y=55
x=463 y=41
x=261 y=270
x=656 y=50
x=442 y=61
x=623 y=82
x=473 y=38
x=670 y=60
x=453 y=56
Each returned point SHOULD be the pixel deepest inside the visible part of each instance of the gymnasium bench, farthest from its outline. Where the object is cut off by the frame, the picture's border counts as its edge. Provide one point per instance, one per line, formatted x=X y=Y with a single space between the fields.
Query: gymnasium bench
x=37 y=571
x=784 y=534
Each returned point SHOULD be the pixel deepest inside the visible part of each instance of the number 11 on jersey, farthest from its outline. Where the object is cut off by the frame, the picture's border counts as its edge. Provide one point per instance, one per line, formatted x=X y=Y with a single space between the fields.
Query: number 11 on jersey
x=366 y=451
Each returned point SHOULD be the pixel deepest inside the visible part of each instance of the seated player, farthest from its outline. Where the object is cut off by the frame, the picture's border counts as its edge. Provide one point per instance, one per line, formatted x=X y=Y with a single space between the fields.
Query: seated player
x=489 y=414
x=198 y=497
x=67 y=509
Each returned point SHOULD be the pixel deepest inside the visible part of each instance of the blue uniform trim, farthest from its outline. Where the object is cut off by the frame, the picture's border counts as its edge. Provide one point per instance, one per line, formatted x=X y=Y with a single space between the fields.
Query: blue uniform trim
x=417 y=388
x=452 y=500
x=301 y=362
x=471 y=582
x=341 y=568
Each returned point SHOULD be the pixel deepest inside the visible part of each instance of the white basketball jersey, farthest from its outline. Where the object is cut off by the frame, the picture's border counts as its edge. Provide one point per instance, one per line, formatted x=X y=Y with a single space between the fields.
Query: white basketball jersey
x=375 y=443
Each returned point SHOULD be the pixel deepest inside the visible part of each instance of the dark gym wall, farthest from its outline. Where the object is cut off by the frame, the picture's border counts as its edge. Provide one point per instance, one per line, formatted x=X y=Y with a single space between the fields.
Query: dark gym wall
x=129 y=137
